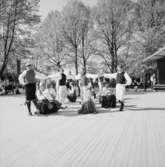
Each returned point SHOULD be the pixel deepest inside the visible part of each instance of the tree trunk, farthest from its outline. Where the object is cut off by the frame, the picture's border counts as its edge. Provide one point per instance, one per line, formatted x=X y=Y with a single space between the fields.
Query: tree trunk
x=76 y=59
x=110 y=46
x=116 y=58
x=85 y=66
x=7 y=51
x=113 y=51
x=4 y=63
x=58 y=65
x=3 y=66
x=83 y=53
x=112 y=62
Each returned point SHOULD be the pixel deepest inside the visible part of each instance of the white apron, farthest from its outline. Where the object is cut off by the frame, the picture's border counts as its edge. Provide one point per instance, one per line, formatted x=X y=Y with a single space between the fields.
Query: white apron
x=120 y=91
x=62 y=93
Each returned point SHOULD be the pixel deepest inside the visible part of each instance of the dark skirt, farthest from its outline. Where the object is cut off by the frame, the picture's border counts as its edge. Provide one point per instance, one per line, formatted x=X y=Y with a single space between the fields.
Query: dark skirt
x=49 y=107
x=108 y=101
x=30 y=91
x=87 y=107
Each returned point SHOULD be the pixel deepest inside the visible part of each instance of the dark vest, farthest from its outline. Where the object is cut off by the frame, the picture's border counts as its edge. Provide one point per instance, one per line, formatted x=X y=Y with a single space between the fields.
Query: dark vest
x=62 y=81
x=121 y=78
x=30 y=77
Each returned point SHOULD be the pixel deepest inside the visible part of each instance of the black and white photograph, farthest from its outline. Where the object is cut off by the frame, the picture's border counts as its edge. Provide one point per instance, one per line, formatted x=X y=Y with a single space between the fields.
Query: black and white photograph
x=82 y=83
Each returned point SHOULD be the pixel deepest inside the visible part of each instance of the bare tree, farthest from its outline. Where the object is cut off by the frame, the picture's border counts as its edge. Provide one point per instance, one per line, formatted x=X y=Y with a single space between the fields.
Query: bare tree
x=15 y=15
x=73 y=13
x=150 y=27
x=49 y=41
x=112 y=28
x=87 y=47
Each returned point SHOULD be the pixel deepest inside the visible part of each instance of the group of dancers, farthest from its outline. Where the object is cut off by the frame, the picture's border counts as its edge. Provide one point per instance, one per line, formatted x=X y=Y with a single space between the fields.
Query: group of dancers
x=49 y=96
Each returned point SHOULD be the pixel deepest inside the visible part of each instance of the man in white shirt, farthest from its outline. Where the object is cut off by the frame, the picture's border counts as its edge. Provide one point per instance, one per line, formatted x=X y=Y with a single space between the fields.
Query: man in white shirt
x=122 y=80
x=28 y=79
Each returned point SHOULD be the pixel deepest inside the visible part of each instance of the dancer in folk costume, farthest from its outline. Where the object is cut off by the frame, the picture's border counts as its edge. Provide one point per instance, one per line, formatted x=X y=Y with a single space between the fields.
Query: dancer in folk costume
x=72 y=92
x=83 y=84
x=62 y=92
x=87 y=104
x=122 y=80
x=28 y=79
x=108 y=98
x=48 y=102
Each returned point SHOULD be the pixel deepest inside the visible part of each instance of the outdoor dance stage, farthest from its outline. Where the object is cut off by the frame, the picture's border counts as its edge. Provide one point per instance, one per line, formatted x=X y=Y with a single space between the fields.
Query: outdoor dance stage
x=132 y=138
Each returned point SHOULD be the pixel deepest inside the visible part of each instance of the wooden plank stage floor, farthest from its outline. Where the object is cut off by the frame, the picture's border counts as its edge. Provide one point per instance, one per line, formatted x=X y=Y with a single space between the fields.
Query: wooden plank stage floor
x=132 y=138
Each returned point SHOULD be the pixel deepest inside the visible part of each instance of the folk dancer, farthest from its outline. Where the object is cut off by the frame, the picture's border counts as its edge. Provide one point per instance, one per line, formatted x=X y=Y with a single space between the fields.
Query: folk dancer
x=48 y=103
x=83 y=84
x=28 y=79
x=122 y=80
x=62 y=87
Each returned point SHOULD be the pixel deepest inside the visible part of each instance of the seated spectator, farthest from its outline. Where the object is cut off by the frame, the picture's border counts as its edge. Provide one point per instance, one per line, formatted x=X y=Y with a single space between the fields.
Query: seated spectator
x=39 y=91
x=136 y=85
x=9 y=87
x=2 y=90
x=153 y=80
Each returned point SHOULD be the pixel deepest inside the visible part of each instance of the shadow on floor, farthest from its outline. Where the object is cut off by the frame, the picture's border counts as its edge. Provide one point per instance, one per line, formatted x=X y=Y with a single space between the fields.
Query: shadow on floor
x=73 y=113
x=102 y=111
x=136 y=108
x=13 y=95
x=139 y=92
x=148 y=109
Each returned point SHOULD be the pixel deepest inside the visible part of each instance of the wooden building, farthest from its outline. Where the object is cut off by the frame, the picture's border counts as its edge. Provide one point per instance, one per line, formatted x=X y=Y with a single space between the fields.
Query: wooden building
x=159 y=59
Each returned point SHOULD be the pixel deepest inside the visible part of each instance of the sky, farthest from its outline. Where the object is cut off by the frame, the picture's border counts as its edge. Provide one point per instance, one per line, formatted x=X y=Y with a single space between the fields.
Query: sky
x=47 y=5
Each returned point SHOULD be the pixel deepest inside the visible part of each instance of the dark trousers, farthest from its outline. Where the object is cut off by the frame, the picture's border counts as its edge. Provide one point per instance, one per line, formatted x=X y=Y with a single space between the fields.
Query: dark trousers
x=30 y=93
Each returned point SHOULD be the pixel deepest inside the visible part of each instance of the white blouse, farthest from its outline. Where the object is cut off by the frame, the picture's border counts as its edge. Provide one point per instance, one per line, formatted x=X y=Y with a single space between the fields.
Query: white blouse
x=114 y=76
x=50 y=94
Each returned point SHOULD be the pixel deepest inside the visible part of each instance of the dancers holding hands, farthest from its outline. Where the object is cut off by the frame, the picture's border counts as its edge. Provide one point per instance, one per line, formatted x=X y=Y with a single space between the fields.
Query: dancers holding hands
x=58 y=93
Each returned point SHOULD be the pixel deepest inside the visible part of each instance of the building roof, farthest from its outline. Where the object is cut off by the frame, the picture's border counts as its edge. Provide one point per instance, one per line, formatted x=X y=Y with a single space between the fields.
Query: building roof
x=157 y=55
